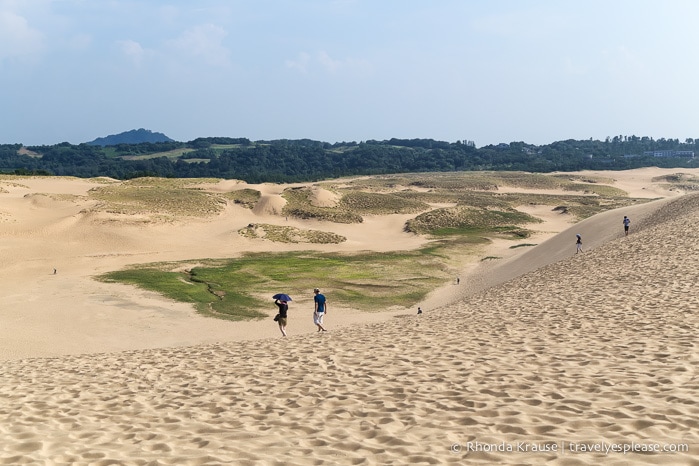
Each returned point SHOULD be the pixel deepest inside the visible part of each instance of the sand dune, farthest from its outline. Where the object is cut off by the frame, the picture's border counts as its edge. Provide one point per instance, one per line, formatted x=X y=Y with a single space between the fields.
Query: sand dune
x=269 y=204
x=543 y=350
x=323 y=198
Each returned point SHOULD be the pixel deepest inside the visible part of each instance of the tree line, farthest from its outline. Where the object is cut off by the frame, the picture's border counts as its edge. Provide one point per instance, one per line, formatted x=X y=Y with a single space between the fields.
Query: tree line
x=300 y=160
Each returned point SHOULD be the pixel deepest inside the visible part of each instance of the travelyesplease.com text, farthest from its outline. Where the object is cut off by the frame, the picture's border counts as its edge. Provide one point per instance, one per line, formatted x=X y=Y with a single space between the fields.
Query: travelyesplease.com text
x=565 y=447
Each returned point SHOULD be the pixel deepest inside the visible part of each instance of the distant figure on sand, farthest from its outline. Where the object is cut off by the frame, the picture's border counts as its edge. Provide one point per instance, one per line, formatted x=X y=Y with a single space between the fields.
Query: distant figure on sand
x=458 y=280
x=578 y=244
x=321 y=307
x=281 y=316
x=55 y=271
x=627 y=222
x=419 y=310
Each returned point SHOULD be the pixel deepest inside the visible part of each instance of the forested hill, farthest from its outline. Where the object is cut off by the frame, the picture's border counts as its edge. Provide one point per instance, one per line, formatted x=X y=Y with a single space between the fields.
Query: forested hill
x=135 y=136
x=308 y=160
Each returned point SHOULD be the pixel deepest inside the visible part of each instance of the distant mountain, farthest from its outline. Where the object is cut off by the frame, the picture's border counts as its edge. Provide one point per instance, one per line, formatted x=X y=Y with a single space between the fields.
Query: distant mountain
x=135 y=136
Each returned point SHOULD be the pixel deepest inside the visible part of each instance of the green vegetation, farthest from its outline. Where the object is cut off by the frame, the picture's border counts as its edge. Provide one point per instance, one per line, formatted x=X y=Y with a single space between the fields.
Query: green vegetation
x=238 y=289
x=458 y=212
x=170 y=154
x=285 y=160
x=204 y=288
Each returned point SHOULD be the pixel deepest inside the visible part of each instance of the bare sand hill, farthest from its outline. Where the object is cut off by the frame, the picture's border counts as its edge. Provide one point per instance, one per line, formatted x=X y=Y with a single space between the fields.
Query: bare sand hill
x=569 y=363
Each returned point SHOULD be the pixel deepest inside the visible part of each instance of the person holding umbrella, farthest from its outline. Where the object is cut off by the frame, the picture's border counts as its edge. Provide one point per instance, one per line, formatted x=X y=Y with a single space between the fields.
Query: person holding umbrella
x=282 y=300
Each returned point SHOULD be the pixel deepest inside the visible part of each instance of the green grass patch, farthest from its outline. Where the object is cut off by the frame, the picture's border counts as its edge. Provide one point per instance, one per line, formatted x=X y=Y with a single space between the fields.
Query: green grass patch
x=200 y=287
x=171 y=154
x=226 y=146
x=232 y=289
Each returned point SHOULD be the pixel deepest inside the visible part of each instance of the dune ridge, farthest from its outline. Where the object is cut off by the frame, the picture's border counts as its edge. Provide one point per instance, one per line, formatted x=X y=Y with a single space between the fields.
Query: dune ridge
x=593 y=349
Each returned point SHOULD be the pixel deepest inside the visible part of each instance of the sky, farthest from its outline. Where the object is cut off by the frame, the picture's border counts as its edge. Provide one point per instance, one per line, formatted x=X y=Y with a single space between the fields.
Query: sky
x=487 y=71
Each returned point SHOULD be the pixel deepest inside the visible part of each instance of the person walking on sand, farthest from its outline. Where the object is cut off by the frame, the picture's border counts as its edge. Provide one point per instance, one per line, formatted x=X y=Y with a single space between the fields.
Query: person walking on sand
x=321 y=307
x=282 y=315
x=419 y=310
x=627 y=222
x=578 y=244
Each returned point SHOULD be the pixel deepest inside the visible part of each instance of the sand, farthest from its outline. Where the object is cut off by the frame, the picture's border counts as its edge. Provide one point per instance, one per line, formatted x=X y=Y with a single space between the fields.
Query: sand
x=542 y=350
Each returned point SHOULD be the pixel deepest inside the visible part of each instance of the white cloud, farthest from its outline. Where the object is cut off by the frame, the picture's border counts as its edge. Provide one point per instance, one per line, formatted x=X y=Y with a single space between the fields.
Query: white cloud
x=330 y=65
x=132 y=50
x=322 y=61
x=204 y=42
x=18 y=40
x=300 y=64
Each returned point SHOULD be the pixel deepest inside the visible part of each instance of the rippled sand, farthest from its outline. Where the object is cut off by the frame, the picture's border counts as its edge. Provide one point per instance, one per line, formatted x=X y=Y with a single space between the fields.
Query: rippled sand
x=598 y=350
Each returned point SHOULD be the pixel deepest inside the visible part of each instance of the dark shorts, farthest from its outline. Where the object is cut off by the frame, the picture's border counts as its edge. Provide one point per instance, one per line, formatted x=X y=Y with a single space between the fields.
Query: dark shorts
x=282 y=321
x=626 y=228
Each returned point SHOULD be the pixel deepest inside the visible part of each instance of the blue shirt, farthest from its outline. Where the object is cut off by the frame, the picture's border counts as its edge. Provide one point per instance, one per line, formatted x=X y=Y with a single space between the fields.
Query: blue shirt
x=320 y=301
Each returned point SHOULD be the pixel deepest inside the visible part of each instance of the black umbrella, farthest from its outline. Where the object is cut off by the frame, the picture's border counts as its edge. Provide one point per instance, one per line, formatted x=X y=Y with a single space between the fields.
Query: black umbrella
x=282 y=297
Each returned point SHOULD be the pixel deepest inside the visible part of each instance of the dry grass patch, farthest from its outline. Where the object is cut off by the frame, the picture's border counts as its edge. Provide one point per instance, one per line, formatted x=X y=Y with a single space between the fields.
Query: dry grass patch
x=65 y=197
x=683 y=181
x=599 y=190
x=299 y=204
x=159 y=199
x=582 y=207
x=408 y=193
x=192 y=183
x=462 y=182
x=566 y=177
x=245 y=197
x=286 y=234
x=104 y=180
x=464 y=219
x=424 y=181
x=381 y=204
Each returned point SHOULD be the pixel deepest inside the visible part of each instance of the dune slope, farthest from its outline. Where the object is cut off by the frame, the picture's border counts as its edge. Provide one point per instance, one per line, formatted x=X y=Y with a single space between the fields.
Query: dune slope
x=595 y=349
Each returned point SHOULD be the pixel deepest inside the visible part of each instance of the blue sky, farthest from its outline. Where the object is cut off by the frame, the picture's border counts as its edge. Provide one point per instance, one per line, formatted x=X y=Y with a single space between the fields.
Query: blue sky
x=489 y=71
